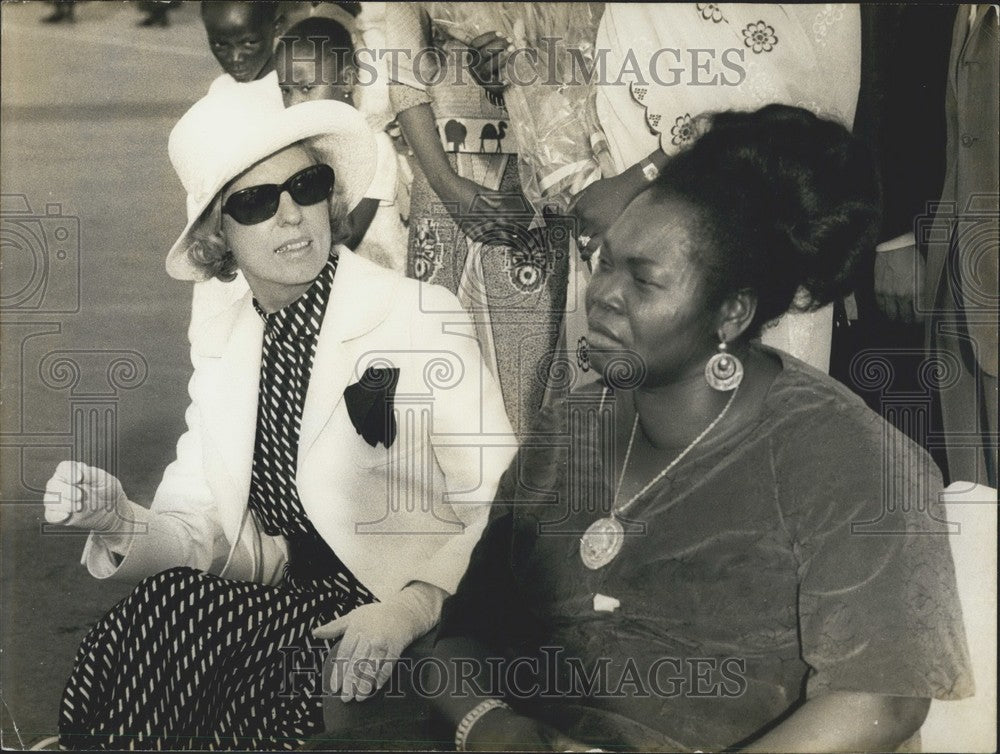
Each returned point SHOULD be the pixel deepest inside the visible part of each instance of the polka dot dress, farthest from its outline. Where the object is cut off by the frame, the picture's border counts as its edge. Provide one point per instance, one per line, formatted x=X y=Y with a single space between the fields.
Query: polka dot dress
x=193 y=661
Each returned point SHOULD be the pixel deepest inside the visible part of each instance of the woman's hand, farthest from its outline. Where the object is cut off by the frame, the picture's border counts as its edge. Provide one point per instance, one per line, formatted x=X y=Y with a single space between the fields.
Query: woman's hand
x=505 y=730
x=480 y=212
x=85 y=497
x=372 y=637
x=486 y=215
x=489 y=54
x=598 y=206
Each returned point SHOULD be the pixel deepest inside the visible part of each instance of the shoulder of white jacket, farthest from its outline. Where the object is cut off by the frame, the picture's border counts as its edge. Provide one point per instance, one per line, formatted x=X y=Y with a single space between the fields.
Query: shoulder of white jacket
x=211 y=336
x=371 y=279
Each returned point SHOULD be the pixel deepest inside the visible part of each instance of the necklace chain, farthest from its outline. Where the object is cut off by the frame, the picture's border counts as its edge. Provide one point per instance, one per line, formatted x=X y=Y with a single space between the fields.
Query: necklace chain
x=666 y=470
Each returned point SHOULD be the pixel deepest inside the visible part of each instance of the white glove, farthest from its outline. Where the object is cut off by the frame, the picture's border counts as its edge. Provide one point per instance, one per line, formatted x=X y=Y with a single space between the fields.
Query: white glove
x=86 y=497
x=372 y=637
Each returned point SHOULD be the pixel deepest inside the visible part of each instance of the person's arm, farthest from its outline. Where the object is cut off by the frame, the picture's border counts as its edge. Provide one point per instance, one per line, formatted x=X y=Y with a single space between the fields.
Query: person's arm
x=465 y=409
x=361 y=219
x=493 y=209
x=420 y=130
x=602 y=202
x=483 y=614
x=180 y=528
x=899 y=278
x=374 y=636
x=500 y=728
x=878 y=613
x=846 y=721
x=408 y=29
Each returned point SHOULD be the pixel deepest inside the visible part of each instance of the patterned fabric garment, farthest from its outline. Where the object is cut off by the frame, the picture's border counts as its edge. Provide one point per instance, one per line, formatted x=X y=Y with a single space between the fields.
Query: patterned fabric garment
x=286 y=363
x=722 y=56
x=193 y=661
x=512 y=285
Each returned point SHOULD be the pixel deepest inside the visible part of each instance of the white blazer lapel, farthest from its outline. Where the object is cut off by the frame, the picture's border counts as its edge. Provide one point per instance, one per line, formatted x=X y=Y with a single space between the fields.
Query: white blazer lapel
x=359 y=301
x=231 y=405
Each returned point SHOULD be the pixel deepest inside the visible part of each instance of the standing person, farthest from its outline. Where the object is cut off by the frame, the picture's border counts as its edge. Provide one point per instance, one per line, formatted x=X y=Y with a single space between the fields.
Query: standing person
x=718 y=56
x=315 y=61
x=157 y=12
x=241 y=36
x=961 y=278
x=304 y=506
x=469 y=222
x=63 y=11
x=959 y=297
x=904 y=68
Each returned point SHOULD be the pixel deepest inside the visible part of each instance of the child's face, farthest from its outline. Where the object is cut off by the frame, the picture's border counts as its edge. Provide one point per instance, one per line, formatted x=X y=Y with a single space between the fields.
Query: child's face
x=302 y=84
x=241 y=38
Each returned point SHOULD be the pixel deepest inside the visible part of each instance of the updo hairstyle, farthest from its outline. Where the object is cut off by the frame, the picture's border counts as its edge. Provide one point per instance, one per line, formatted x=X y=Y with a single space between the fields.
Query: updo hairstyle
x=789 y=203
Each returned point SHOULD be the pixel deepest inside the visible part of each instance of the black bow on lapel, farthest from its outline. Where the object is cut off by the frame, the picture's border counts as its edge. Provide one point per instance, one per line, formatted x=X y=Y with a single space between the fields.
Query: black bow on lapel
x=369 y=404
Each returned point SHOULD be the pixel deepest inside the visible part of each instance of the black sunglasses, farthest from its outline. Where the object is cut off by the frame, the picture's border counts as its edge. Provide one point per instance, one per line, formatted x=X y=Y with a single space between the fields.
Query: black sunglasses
x=256 y=204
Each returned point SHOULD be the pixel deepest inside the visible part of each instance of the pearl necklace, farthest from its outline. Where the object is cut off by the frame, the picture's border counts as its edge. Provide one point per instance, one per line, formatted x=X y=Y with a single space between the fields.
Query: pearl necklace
x=604 y=538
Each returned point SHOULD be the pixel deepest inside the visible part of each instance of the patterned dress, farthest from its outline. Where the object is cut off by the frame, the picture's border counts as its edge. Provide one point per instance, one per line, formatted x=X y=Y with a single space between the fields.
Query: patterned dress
x=511 y=282
x=193 y=661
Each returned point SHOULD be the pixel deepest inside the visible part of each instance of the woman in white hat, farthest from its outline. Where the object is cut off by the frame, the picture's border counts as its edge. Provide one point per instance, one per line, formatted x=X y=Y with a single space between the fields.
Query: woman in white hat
x=303 y=506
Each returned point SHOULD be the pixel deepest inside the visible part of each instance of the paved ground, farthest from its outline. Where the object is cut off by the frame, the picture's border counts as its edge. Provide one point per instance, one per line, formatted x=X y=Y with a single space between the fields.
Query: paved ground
x=93 y=330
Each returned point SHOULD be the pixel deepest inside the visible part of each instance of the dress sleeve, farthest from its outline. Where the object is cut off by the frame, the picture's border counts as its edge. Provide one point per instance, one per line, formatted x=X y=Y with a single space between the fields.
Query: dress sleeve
x=878 y=606
x=383 y=185
x=181 y=527
x=471 y=408
x=482 y=607
x=407 y=32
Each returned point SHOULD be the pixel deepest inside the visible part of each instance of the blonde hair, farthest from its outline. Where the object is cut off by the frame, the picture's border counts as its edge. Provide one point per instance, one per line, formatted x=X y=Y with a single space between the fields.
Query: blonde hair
x=208 y=249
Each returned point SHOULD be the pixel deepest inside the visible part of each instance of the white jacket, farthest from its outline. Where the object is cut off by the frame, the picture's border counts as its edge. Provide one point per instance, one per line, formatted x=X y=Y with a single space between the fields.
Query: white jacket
x=412 y=512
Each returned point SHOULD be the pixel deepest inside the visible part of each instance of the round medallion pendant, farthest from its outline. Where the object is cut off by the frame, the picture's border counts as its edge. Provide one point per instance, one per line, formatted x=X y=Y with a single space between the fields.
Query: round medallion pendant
x=601 y=542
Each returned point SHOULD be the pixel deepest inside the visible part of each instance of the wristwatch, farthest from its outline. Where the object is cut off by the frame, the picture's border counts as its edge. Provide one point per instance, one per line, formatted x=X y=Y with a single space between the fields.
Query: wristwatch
x=649 y=169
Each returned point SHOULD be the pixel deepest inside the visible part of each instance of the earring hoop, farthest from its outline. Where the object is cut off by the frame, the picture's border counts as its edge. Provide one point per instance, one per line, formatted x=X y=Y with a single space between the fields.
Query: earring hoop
x=724 y=371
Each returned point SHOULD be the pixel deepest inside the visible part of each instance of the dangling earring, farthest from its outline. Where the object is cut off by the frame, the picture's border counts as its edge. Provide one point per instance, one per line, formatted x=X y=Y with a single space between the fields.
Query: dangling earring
x=724 y=371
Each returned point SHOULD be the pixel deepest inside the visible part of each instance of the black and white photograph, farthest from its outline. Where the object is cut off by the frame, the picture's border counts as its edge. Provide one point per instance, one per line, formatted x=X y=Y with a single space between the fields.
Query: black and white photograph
x=498 y=376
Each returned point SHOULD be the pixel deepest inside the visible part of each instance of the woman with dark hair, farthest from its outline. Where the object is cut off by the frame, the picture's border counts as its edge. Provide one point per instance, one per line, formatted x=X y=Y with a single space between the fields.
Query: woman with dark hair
x=720 y=547
x=701 y=57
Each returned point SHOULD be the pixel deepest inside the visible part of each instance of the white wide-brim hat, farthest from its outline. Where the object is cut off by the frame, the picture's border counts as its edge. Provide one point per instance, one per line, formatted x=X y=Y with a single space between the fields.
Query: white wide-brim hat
x=233 y=128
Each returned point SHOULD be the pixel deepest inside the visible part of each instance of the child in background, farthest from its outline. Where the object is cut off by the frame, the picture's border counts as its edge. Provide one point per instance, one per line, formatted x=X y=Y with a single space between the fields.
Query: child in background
x=314 y=61
x=241 y=36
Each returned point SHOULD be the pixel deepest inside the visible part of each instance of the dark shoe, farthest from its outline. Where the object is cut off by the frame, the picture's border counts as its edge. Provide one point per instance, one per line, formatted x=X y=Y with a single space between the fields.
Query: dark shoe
x=155 y=19
x=58 y=16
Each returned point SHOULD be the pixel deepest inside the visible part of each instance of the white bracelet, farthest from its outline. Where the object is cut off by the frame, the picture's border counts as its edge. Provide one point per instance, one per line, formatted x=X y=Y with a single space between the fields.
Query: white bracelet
x=897 y=243
x=472 y=717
